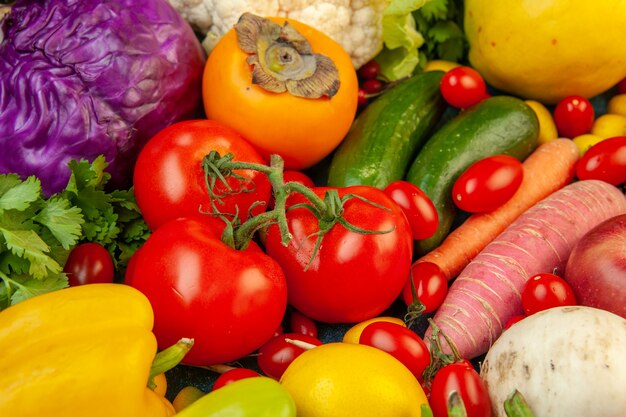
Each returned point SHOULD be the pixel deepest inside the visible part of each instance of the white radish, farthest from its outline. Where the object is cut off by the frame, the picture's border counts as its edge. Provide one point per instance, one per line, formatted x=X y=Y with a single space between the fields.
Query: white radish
x=487 y=293
x=565 y=361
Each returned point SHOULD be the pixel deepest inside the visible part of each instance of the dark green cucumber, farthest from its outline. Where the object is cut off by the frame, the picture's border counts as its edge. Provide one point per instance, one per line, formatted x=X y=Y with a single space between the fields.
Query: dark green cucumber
x=386 y=136
x=497 y=125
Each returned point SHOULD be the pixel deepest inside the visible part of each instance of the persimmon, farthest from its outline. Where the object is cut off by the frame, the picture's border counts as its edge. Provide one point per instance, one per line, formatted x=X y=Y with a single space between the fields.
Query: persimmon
x=286 y=87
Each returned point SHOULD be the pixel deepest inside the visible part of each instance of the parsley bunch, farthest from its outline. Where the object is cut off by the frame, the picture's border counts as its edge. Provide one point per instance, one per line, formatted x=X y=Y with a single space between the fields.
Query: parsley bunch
x=38 y=232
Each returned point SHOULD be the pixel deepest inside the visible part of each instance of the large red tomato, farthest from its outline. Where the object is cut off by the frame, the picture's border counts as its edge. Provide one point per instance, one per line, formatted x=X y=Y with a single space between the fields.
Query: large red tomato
x=353 y=276
x=230 y=302
x=169 y=180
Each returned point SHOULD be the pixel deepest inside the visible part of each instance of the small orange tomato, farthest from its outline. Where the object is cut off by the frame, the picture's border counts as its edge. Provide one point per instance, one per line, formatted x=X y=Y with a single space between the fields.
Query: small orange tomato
x=302 y=130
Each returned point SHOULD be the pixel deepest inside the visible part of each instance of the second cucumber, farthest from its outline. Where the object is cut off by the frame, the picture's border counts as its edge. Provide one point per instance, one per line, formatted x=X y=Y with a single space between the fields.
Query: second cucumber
x=386 y=136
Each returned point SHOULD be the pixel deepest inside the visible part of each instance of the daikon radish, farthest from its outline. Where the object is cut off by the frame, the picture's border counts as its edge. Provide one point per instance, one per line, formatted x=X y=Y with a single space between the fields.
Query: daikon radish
x=487 y=292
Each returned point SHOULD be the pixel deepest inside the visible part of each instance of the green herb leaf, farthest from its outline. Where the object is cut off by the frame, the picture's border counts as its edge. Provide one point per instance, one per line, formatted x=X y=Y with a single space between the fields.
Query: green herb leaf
x=19 y=195
x=63 y=220
x=32 y=287
x=27 y=244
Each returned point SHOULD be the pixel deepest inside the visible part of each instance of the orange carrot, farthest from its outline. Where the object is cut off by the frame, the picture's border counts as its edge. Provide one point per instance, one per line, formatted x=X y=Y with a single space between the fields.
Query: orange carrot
x=549 y=168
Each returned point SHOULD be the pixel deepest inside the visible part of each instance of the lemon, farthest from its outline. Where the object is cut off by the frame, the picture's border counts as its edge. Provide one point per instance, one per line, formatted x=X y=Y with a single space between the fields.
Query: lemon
x=345 y=379
x=354 y=333
x=548 y=49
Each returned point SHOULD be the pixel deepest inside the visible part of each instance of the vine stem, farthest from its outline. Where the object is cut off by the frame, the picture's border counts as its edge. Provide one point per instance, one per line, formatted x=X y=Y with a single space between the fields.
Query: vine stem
x=328 y=210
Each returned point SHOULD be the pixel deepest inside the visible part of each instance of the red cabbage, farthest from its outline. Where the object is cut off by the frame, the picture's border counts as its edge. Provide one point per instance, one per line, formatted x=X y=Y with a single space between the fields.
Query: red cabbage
x=80 y=78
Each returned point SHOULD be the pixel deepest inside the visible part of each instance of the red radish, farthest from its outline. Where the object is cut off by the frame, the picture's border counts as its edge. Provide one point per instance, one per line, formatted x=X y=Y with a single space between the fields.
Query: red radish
x=487 y=293
x=596 y=268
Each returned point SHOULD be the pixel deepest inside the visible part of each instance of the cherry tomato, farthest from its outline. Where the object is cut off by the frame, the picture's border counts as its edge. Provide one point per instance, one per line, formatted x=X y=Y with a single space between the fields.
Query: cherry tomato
x=298 y=176
x=431 y=286
x=544 y=291
x=621 y=87
x=370 y=70
x=573 y=116
x=353 y=276
x=462 y=378
x=301 y=130
x=514 y=320
x=487 y=184
x=169 y=180
x=417 y=206
x=372 y=86
x=400 y=342
x=301 y=324
x=89 y=263
x=606 y=161
x=233 y=375
x=230 y=302
x=462 y=87
x=275 y=356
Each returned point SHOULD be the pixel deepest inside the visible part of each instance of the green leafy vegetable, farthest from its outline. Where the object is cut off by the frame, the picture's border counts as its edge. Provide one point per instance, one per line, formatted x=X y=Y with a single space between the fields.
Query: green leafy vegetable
x=416 y=31
x=37 y=233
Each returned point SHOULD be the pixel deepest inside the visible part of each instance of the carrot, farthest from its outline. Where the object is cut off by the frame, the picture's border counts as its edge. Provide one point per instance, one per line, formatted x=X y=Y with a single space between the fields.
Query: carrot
x=487 y=293
x=549 y=168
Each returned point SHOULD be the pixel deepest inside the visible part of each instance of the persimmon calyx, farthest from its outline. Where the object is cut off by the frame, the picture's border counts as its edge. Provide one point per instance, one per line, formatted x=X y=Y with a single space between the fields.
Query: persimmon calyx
x=283 y=60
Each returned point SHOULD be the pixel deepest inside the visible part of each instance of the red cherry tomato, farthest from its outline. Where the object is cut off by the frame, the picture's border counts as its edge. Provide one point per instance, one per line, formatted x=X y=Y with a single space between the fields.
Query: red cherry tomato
x=514 y=320
x=621 y=87
x=462 y=378
x=369 y=71
x=431 y=286
x=298 y=176
x=276 y=355
x=417 y=206
x=400 y=342
x=233 y=375
x=462 y=87
x=488 y=184
x=544 y=291
x=573 y=116
x=606 y=161
x=299 y=323
x=89 y=263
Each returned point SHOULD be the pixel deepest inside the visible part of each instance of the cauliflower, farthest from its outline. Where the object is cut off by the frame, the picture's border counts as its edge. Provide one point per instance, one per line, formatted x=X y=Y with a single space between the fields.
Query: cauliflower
x=355 y=24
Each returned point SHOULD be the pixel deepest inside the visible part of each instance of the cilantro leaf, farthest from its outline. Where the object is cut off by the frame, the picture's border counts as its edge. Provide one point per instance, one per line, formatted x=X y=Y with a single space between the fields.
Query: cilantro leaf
x=29 y=245
x=32 y=287
x=20 y=195
x=63 y=220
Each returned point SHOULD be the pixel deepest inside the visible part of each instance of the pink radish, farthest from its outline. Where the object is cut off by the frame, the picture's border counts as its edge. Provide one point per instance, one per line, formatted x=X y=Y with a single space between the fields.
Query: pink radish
x=487 y=292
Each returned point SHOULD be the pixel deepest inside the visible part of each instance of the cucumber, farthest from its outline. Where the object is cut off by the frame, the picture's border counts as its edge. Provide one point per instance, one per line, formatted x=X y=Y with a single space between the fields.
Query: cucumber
x=497 y=125
x=386 y=136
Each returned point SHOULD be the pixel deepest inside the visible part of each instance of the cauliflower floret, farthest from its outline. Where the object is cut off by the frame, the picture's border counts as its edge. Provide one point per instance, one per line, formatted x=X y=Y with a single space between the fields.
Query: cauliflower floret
x=355 y=24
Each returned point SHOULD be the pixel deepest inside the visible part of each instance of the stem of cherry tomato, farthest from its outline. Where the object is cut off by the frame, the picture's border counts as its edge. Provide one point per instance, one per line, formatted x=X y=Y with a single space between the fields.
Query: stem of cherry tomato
x=439 y=359
x=327 y=210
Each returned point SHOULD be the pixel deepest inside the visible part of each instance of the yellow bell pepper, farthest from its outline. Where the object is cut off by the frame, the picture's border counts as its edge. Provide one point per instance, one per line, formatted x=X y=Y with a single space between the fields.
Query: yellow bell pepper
x=83 y=351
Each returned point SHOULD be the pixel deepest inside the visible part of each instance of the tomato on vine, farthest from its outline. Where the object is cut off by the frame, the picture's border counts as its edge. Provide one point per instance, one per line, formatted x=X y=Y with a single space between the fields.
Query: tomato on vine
x=544 y=291
x=230 y=301
x=169 y=178
x=347 y=261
